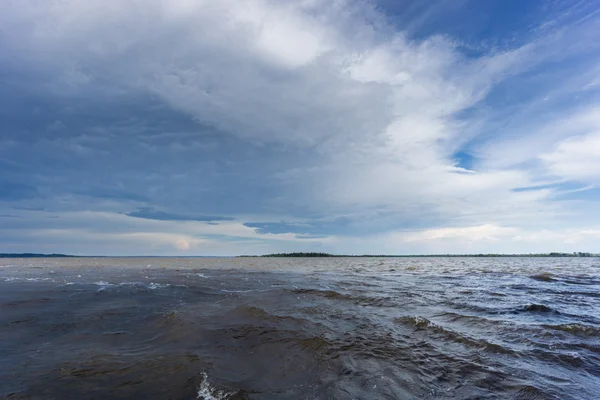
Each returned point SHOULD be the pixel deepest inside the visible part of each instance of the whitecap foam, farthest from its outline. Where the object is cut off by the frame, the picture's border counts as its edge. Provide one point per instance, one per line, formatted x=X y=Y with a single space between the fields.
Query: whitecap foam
x=153 y=285
x=243 y=290
x=103 y=285
x=237 y=291
x=132 y=284
x=19 y=279
x=207 y=392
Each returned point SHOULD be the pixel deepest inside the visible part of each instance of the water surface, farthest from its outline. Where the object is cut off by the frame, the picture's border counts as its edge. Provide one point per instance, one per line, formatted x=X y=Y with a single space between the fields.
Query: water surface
x=330 y=328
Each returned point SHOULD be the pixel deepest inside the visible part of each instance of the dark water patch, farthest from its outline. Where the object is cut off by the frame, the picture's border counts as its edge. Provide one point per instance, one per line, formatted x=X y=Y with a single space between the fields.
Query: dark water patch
x=544 y=277
x=259 y=316
x=359 y=283
x=114 y=376
x=533 y=393
x=538 y=308
x=594 y=348
x=115 y=333
x=330 y=294
x=357 y=299
x=25 y=320
x=26 y=303
x=519 y=286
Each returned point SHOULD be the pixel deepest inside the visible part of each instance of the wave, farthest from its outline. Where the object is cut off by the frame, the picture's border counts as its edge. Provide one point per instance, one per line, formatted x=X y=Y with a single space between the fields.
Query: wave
x=574 y=293
x=582 y=280
x=448 y=334
x=330 y=294
x=467 y=319
x=532 y=393
x=357 y=299
x=260 y=317
x=576 y=329
x=572 y=280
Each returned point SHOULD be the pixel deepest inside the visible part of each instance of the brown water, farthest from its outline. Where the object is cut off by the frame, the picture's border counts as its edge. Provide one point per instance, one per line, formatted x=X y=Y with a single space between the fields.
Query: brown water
x=332 y=328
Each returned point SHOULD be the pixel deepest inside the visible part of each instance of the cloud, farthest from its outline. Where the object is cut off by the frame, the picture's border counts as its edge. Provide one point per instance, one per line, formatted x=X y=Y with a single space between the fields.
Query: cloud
x=475 y=239
x=576 y=158
x=148 y=213
x=472 y=233
x=281 y=227
x=313 y=121
x=97 y=233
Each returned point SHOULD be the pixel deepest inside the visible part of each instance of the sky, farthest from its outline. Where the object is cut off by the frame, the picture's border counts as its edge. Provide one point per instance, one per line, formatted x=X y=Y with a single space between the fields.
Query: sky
x=205 y=127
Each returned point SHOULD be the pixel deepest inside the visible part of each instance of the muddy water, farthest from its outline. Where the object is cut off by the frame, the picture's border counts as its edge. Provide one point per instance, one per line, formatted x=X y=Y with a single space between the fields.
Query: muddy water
x=333 y=328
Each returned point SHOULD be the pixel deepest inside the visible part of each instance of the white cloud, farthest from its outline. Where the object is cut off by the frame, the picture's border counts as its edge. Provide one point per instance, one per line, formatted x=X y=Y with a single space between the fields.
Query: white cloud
x=487 y=238
x=471 y=233
x=538 y=136
x=576 y=158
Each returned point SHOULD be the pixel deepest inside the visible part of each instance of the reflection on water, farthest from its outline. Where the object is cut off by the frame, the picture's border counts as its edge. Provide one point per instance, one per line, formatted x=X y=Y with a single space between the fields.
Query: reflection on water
x=334 y=328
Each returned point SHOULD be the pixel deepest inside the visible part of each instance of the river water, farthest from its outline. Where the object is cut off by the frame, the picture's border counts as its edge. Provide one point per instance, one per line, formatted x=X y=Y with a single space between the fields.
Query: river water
x=312 y=328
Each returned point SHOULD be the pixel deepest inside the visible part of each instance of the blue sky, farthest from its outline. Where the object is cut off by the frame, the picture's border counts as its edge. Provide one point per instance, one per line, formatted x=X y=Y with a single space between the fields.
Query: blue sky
x=200 y=127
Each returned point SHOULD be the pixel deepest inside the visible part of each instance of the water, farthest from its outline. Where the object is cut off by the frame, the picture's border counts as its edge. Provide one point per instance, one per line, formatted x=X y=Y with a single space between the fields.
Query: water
x=331 y=328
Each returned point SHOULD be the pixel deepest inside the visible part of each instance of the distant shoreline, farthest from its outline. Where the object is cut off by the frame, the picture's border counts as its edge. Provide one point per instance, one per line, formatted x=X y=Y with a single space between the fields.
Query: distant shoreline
x=325 y=255
x=317 y=255
x=34 y=255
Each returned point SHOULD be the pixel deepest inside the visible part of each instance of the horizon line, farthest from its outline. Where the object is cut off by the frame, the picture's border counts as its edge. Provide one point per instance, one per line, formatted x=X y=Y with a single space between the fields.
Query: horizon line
x=304 y=255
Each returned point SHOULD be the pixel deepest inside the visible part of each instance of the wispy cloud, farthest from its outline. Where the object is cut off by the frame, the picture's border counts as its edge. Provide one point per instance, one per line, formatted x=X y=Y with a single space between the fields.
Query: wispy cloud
x=149 y=213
